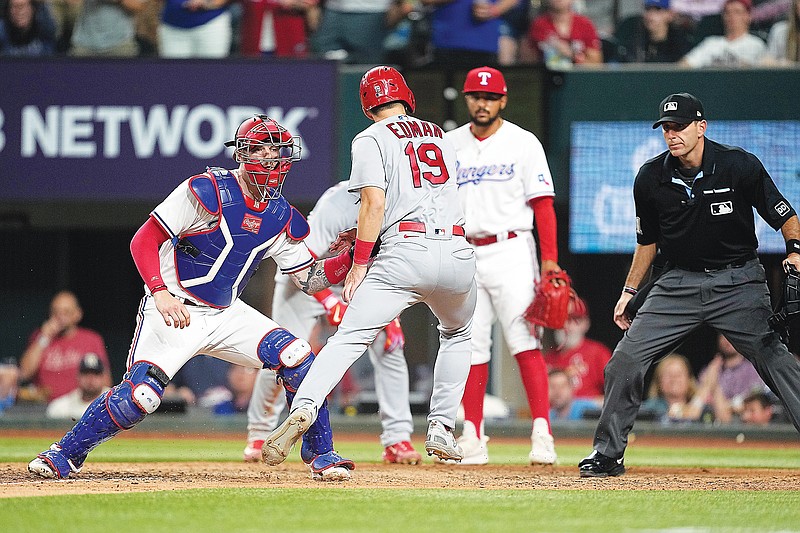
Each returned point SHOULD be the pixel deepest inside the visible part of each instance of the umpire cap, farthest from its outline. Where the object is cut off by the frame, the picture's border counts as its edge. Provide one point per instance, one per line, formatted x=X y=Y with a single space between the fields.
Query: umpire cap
x=681 y=108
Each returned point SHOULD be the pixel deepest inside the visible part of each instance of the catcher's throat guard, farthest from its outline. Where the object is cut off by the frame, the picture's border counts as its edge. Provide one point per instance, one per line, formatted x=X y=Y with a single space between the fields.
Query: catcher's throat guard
x=788 y=305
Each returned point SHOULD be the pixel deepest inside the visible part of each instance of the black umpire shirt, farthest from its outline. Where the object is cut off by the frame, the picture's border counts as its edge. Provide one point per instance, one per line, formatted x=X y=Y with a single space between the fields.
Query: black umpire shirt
x=712 y=225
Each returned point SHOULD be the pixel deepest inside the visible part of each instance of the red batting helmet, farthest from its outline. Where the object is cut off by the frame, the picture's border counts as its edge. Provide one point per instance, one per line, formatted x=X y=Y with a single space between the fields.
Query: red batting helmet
x=267 y=151
x=381 y=85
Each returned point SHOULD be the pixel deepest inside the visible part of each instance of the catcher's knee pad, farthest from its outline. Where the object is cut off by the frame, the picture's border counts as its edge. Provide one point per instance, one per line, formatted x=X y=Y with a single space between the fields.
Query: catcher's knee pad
x=138 y=395
x=279 y=349
x=120 y=408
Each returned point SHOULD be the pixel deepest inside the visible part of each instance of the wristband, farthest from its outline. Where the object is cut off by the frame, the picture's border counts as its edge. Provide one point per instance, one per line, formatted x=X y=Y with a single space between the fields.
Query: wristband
x=157 y=288
x=326 y=298
x=629 y=290
x=792 y=246
x=362 y=252
x=336 y=268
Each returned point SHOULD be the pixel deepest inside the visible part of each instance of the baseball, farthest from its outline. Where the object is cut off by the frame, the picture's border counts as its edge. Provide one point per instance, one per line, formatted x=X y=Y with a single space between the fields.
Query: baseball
x=740 y=438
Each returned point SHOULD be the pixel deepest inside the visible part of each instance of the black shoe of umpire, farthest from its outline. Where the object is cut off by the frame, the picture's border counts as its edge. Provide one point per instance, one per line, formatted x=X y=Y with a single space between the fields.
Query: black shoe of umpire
x=599 y=465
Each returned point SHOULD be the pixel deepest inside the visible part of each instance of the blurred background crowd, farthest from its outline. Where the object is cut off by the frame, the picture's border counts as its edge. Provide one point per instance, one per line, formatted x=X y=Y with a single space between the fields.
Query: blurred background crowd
x=558 y=33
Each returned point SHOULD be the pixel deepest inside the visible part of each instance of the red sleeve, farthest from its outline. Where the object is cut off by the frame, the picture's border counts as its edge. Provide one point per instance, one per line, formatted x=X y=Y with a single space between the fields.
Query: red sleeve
x=588 y=33
x=144 y=249
x=545 y=216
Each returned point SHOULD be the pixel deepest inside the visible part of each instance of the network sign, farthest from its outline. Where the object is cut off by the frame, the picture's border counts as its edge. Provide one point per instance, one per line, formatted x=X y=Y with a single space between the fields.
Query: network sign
x=109 y=130
x=606 y=156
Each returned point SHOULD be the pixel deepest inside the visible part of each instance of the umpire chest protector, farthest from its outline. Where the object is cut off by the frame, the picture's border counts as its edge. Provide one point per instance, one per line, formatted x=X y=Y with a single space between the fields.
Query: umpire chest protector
x=215 y=265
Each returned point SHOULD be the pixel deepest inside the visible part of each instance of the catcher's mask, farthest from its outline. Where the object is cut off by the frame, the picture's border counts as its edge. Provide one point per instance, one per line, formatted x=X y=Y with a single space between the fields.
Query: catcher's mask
x=267 y=151
x=788 y=304
x=381 y=85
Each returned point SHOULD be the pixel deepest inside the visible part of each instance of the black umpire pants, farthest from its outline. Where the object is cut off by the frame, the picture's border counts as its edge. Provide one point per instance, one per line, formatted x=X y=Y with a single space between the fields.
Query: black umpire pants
x=735 y=302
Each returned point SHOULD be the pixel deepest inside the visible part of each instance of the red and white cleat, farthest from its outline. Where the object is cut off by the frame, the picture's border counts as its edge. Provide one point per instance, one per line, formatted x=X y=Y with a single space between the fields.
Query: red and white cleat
x=401 y=453
x=252 y=452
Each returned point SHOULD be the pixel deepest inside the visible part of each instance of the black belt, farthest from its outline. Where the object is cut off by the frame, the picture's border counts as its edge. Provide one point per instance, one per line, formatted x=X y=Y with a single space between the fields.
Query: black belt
x=739 y=263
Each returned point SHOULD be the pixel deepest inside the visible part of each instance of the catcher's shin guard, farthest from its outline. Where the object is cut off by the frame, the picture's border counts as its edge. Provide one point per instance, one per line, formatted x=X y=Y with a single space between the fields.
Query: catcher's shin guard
x=122 y=407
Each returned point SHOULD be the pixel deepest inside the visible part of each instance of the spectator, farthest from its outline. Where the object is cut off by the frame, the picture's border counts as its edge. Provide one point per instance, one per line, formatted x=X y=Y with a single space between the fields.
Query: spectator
x=195 y=28
x=146 y=22
x=64 y=13
x=9 y=376
x=27 y=29
x=656 y=37
x=672 y=396
x=55 y=350
x=277 y=28
x=737 y=48
x=91 y=383
x=106 y=29
x=757 y=409
x=605 y=14
x=582 y=359
x=783 y=43
x=466 y=33
x=697 y=9
x=240 y=384
x=513 y=32
x=561 y=38
x=352 y=31
x=563 y=404
x=202 y=381
x=727 y=380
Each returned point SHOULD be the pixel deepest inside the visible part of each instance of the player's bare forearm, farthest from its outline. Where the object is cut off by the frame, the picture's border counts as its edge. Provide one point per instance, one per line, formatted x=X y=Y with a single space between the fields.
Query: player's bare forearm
x=642 y=259
x=312 y=279
x=370 y=214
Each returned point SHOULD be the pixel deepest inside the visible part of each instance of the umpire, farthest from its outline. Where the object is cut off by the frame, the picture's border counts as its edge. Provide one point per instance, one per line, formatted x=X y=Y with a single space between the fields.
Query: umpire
x=695 y=203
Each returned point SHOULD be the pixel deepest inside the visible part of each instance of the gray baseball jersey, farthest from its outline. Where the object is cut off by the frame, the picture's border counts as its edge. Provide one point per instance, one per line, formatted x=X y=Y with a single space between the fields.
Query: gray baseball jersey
x=415 y=165
x=335 y=211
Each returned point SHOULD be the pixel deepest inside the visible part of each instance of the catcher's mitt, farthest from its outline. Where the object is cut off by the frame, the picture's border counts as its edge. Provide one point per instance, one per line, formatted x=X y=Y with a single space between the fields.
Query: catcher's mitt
x=788 y=304
x=550 y=306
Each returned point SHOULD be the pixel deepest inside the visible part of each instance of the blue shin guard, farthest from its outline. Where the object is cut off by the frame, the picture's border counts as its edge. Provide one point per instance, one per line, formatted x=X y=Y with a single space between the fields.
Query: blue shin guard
x=122 y=407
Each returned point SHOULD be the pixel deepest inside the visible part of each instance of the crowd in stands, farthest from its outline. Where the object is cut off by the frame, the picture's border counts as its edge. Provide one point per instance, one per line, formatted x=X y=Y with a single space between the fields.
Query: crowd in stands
x=448 y=33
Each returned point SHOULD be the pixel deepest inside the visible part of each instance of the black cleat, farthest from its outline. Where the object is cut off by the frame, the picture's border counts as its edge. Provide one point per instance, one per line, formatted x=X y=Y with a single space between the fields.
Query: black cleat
x=599 y=465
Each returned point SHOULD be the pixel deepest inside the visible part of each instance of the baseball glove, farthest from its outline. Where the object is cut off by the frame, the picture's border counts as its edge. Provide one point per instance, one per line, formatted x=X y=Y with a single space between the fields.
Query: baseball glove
x=788 y=304
x=551 y=301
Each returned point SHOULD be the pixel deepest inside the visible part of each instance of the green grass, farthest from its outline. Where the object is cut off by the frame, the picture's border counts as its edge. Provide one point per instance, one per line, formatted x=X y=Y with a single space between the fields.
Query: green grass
x=406 y=511
x=348 y=509
x=122 y=449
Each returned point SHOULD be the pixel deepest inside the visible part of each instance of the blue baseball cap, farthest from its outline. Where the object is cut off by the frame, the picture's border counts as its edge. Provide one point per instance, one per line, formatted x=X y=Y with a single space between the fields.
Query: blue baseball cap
x=662 y=4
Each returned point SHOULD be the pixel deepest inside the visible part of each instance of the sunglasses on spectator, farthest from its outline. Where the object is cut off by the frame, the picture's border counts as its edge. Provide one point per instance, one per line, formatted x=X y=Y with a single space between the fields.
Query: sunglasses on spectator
x=674 y=126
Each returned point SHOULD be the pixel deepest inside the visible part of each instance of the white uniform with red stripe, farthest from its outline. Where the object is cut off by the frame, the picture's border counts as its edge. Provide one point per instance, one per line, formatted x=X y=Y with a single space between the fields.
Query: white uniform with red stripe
x=231 y=333
x=496 y=178
x=335 y=211
x=415 y=165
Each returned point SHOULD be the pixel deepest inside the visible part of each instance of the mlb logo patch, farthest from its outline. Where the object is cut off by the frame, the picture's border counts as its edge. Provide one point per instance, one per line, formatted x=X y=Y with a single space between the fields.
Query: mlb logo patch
x=782 y=208
x=251 y=223
x=671 y=106
x=722 y=208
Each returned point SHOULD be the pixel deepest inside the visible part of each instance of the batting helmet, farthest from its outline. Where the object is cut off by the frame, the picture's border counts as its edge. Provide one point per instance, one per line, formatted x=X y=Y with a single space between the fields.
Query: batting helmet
x=381 y=85
x=267 y=151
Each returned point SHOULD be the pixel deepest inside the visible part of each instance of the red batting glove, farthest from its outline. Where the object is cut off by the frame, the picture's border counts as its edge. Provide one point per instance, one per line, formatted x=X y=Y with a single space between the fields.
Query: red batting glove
x=394 y=336
x=334 y=308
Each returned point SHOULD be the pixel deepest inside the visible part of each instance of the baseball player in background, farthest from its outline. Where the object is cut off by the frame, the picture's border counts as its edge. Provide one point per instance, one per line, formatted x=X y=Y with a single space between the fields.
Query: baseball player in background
x=196 y=252
x=403 y=170
x=504 y=183
x=335 y=211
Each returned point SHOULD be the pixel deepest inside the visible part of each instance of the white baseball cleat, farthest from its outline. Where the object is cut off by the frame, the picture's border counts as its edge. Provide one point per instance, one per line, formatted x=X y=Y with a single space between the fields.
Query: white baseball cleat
x=41 y=468
x=441 y=442
x=280 y=442
x=543 y=450
x=336 y=473
x=473 y=447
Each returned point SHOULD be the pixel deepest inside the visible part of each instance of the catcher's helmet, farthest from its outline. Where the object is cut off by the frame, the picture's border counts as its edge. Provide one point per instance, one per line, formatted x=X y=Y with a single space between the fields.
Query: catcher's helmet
x=381 y=85
x=267 y=151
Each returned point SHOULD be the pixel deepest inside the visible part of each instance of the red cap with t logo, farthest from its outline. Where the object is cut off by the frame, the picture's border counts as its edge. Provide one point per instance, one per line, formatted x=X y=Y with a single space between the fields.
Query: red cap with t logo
x=485 y=80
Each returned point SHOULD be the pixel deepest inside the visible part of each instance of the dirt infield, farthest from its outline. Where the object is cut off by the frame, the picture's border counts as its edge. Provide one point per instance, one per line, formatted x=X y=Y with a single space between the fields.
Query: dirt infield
x=99 y=478
x=102 y=478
